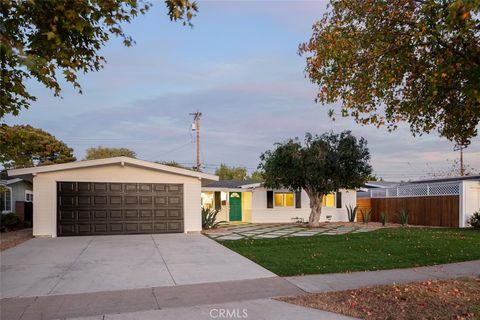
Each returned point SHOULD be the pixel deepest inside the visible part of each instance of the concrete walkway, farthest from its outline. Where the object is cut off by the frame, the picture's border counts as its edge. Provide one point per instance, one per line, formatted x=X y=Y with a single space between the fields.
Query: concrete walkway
x=261 y=309
x=127 y=301
x=355 y=280
x=281 y=230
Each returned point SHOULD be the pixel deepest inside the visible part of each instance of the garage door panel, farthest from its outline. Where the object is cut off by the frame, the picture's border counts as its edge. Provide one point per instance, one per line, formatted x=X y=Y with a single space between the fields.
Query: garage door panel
x=84 y=186
x=116 y=214
x=115 y=200
x=90 y=208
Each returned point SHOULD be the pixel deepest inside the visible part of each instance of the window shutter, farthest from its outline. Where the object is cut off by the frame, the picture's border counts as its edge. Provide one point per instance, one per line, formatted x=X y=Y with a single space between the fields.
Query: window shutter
x=269 y=199
x=339 y=199
x=298 y=199
x=217 y=200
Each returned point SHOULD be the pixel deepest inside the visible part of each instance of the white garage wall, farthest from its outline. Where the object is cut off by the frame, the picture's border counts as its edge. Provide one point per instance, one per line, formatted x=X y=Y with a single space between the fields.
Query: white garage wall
x=262 y=214
x=471 y=201
x=45 y=188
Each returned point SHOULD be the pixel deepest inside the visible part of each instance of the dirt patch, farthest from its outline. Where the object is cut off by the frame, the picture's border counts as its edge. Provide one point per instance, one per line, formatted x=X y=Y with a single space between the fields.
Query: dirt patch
x=445 y=299
x=12 y=238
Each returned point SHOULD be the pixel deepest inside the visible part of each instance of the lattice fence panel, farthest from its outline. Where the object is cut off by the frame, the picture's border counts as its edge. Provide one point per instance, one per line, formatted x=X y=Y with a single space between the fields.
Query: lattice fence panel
x=418 y=190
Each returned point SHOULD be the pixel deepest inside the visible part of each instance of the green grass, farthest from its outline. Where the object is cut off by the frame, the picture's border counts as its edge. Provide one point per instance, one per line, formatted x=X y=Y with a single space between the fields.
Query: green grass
x=376 y=250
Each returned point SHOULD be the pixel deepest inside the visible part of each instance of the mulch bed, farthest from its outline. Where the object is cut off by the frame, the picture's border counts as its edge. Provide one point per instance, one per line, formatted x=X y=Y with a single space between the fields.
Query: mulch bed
x=12 y=238
x=445 y=299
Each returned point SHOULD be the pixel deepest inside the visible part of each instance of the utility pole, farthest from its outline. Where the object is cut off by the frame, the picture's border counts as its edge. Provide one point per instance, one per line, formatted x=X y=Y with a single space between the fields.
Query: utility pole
x=196 y=128
x=460 y=147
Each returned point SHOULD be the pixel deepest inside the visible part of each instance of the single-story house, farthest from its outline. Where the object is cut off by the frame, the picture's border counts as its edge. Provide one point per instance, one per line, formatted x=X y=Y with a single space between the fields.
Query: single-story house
x=252 y=202
x=14 y=191
x=445 y=202
x=117 y=195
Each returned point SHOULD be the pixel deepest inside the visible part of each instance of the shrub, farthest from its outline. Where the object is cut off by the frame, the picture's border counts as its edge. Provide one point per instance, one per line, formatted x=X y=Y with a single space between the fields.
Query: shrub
x=366 y=215
x=9 y=220
x=209 y=217
x=352 y=212
x=403 y=217
x=474 y=220
x=383 y=218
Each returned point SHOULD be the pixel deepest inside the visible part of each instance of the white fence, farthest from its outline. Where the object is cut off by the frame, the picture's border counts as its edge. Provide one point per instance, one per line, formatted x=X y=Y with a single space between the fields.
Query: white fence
x=418 y=190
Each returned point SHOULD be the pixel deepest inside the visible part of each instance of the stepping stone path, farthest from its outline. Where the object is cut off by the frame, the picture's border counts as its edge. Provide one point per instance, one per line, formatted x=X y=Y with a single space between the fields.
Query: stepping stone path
x=270 y=231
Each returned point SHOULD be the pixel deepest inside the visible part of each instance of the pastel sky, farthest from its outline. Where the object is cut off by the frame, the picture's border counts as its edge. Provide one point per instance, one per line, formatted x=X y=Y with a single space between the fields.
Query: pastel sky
x=238 y=66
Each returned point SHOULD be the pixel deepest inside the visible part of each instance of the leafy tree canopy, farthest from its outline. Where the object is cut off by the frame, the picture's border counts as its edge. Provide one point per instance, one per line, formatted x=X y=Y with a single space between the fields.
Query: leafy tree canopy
x=256 y=176
x=25 y=146
x=231 y=173
x=44 y=40
x=321 y=165
x=400 y=60
x=105 y=152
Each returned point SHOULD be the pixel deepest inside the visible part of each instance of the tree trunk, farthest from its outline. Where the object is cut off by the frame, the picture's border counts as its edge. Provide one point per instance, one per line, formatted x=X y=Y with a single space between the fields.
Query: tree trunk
x=316 y=209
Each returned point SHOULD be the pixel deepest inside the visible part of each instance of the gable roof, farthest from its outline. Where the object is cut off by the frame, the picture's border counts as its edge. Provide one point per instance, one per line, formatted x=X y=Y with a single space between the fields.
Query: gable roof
x=115 y=160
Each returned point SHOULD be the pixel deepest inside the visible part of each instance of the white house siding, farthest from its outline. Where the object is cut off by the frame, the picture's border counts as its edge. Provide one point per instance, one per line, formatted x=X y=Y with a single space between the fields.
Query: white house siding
x=470 y=201
x=262 y=214
x=45 y=202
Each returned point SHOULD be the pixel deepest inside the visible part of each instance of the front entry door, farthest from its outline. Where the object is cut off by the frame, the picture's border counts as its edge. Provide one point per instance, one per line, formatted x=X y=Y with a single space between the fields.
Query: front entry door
x=235 y=199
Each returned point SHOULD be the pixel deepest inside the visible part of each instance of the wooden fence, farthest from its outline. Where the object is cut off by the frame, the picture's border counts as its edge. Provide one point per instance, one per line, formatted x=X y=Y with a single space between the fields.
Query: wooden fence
x=442 y=211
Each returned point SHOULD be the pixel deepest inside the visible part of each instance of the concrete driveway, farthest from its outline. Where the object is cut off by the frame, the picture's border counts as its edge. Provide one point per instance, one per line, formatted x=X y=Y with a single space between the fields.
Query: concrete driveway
x=46 y=266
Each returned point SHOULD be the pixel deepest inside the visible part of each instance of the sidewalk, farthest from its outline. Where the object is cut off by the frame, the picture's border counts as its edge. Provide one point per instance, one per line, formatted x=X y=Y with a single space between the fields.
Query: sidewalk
x=355 y=280
x=196 y=301
x=262 y=309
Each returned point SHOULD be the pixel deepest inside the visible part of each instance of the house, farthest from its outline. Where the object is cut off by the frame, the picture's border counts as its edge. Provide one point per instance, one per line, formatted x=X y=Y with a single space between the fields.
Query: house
x=16 y=195
x=252 y=202
x=117 y=195
x=445 y=202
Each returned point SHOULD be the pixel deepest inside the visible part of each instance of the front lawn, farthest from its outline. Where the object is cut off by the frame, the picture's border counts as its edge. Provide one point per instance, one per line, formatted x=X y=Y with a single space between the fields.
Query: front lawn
x=388 y=248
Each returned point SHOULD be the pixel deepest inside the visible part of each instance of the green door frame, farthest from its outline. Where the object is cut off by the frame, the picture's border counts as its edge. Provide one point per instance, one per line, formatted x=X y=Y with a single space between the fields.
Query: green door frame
x=235 y=201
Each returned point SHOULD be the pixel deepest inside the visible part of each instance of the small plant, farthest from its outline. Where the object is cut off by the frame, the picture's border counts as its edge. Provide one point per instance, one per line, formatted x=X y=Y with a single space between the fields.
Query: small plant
x=9 y=219
x=383 y=218
x=403 y=217
x=352 y=212
x=474 y=220
x=209 y=218
x=366 y=215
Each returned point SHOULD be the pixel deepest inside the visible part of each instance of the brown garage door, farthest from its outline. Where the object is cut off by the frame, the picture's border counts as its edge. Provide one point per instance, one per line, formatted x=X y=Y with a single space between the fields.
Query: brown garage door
x=93 y=208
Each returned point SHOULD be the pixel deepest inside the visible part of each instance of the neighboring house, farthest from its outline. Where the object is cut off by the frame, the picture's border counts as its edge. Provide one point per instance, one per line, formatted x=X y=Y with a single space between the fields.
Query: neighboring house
x=446 y=202
x=373 y=185
x=117 y=195
x=16 y=191
x=251 y=202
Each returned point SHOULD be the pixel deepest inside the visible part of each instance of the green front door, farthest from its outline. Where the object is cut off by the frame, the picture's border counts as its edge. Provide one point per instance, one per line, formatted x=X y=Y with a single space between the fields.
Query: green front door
x=235 y=199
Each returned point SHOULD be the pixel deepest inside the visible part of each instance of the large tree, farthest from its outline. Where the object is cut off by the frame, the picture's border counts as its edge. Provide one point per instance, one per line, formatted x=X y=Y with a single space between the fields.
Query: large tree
x=104 y=152
x=25 y=146
x=400 y=60
x=231 y=173
x=321 y=165
x=42 y=39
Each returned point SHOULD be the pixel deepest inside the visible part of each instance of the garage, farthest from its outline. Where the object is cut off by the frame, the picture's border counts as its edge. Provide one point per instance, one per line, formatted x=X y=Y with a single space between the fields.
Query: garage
x=91 y=208
x=114 y=196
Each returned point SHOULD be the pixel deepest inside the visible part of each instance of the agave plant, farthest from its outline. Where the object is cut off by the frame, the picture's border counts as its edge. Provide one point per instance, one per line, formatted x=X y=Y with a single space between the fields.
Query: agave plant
x=366 y=215
x=352 y=212
x=209 y=218
x=383 y=218
x=403 y=217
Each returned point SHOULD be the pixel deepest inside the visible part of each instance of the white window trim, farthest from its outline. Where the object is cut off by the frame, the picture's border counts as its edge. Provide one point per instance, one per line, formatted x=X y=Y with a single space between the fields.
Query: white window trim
x=11 y=200
x=27 y=192
x=284 y=207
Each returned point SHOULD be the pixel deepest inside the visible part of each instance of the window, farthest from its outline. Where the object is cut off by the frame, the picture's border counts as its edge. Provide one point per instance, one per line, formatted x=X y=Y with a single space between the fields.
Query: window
x=329 y=200
x=6 y=200
x=284 y=199
x=28 y=196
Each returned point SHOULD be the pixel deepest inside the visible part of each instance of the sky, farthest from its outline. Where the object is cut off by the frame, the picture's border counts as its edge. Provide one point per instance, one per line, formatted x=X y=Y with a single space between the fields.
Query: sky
x=239 y=66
